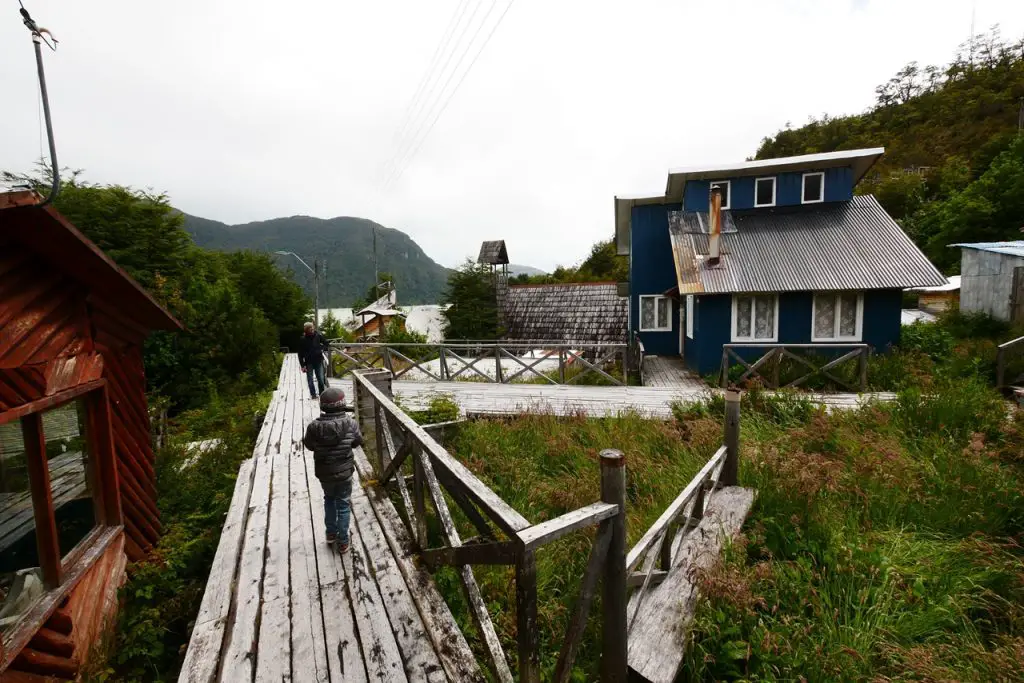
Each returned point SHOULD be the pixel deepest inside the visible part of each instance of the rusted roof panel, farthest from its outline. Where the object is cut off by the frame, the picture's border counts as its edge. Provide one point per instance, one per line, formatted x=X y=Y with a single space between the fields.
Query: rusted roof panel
x=847 y=245
x=591 y=312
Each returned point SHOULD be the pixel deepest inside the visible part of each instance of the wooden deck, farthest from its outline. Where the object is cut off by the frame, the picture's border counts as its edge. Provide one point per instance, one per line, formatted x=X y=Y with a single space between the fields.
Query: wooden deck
x=482 y=399
x=280 y=604
x=670 y=371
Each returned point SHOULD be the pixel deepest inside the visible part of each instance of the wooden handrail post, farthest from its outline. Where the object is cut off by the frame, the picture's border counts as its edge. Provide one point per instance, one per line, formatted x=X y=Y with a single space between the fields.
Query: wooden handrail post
x=443 y=365
x=366 y=409
x=613 y=631
x=730 y=468
x=497 y=365
x=725 y=368
x=776 y=367
x=1000 y=367
x=862 y=368
x=561 y=365
x=527 y=633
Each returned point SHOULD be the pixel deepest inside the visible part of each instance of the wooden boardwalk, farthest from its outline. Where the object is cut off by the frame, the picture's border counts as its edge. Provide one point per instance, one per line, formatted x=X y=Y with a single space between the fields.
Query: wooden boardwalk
x=669 y=371
x=281 y=605
x=483 y=399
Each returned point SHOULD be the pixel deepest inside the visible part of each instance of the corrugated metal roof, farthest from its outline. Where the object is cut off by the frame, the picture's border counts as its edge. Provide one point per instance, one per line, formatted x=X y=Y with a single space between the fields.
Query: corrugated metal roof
x=845 y=245
x=493 y=252
x=579 y=312
x=952 y=285
x=1011 y=248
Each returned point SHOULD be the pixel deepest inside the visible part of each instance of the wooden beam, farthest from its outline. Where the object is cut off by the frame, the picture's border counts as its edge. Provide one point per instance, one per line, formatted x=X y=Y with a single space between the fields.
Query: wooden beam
x=637 y=579
x=578 y=621
x=498 y=552
x=614 y=641
x=527 y=632
x=47 y=540
x=48 y=402
x=101 y=442
x=563 y=525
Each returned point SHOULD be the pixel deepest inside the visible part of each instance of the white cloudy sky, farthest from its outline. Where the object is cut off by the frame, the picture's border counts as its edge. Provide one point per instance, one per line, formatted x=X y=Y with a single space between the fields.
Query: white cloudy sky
x=243 y=110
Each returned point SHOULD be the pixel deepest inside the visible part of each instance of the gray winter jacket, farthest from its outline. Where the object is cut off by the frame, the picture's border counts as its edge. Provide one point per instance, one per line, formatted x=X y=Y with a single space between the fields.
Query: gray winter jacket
x=331 y=437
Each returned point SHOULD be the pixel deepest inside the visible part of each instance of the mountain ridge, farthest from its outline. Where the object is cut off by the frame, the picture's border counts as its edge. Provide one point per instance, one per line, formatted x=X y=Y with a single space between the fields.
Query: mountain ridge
x=344 y=243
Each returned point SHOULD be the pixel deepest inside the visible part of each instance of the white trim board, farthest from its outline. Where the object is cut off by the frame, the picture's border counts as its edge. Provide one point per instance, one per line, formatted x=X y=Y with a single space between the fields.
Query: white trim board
x=775 y=187
x=753 y=309
x=728 y=193
x=803 y=188
x=640 y=316
x=835 y=322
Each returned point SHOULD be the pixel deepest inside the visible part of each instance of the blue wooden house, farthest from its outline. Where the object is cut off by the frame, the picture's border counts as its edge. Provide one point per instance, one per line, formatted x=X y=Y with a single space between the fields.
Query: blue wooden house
x=791 y=256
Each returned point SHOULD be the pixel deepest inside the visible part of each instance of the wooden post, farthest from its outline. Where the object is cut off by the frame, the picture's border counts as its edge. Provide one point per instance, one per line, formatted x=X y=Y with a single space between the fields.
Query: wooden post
x=561 y=365
x=730 y=468
x=862 y=368
x=47 y=541
x=725 y=369
x=613 y=632
x=443 y=365
x=527 y=633
x=419 y=484
x=498 y=376
x=776 y=367
x=665 y=561
x=1000 y=367
x=101 y=447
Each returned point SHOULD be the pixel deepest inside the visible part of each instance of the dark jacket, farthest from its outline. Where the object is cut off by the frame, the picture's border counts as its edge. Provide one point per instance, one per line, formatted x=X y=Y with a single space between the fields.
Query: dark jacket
x=311 y=350
x=331 y=437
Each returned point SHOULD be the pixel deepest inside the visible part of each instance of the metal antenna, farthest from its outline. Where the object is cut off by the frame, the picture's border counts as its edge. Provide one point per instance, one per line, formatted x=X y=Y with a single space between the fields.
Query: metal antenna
x=37 y=38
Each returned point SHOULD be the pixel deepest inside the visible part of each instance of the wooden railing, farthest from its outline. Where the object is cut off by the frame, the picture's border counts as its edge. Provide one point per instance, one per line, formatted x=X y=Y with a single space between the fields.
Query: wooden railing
x=547 y=362
x=657 y=547
x=1003 y=353
x=767 y=367
x=504 y=537
x=637 y=353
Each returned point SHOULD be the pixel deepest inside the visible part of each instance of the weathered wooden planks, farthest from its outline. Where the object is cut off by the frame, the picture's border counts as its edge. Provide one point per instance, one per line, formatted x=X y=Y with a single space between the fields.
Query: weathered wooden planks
x=658 y=638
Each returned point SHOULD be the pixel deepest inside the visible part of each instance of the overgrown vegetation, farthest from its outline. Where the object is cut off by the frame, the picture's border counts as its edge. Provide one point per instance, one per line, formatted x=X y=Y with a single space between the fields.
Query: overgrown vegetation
x=162 y=595
x=884 y=544
x=601 y=265
x=954 y=164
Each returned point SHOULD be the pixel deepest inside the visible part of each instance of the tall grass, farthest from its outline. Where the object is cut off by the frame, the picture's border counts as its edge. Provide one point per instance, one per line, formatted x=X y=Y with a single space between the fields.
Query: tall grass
x=884 y=543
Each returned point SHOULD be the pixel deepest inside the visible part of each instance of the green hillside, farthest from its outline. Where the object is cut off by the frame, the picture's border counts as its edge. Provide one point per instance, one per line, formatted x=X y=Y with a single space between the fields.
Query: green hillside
x=345 y=243
x=954 y=164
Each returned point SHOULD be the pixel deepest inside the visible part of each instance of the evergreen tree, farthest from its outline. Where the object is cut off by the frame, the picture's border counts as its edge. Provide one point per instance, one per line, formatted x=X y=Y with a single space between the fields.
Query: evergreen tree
x=473 y=309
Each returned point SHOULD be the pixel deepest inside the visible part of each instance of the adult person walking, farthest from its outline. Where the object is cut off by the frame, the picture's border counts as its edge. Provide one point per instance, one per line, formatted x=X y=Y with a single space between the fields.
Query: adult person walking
x=311 y=358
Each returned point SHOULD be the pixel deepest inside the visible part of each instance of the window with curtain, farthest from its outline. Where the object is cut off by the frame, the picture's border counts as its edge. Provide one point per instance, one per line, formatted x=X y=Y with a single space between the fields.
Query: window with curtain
x=837 y=316
x=754 y=317
x=655 y=313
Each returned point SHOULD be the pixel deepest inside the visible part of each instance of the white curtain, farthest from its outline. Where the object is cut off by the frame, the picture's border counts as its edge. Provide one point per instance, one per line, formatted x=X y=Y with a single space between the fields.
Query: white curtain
x=764 y=316
x=824 y=316
x=664 y=313
x=848 y=315
x=744 y=305
x=647 y=313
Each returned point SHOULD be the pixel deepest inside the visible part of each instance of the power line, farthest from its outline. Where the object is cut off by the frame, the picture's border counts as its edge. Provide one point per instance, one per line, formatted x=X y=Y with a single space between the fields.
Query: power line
x=407 y=143
x=465 y=73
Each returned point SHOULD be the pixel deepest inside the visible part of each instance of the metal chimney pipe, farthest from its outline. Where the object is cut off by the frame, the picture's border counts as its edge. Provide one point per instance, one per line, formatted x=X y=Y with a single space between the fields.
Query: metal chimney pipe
x=715 y=214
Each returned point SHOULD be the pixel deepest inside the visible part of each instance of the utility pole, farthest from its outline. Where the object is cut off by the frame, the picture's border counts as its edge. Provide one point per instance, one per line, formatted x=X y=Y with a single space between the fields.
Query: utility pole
x=316 y=293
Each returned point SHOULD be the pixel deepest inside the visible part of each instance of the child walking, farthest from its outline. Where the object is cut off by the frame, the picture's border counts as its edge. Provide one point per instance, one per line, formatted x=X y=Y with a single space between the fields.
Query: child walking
x=331 y=437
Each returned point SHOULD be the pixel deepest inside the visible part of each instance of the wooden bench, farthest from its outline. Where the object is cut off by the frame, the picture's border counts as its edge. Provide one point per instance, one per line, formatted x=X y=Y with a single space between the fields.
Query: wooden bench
x=659 y=634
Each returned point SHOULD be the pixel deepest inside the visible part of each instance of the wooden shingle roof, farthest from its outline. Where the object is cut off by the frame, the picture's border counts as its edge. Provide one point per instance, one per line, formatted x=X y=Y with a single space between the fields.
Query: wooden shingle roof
x=493 y=253
x=575 y=312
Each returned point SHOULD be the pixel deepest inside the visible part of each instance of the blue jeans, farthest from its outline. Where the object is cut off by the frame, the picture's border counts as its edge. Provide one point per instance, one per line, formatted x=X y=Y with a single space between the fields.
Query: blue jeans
x=320 y=381
x=337 y=507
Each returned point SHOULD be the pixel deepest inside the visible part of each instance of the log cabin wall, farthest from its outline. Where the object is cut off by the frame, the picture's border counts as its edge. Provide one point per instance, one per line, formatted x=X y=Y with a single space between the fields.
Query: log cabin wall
x=55 y=335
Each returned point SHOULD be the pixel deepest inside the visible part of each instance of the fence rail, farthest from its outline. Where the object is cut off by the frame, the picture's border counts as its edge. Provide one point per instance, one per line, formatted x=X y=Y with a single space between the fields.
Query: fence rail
x=1003 y=353
x=774 y=355
x=498 y=362
x=505 y=537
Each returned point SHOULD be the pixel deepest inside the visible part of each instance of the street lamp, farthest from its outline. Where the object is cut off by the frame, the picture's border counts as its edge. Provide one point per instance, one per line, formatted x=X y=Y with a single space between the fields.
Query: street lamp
x=316 y=284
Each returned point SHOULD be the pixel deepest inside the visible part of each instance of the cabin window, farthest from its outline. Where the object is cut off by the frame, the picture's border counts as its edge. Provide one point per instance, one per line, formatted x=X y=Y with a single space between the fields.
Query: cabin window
x=689 y=316
x=655 y=314
x=813 y=188
x=48 y=500
x=725 y=186
x=838 y=316
x=764 y=192
x=755 y=317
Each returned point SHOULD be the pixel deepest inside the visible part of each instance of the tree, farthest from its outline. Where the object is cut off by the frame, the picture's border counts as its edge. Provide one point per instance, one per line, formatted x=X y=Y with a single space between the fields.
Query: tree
x=473 y=309
x=385 y=283
x=280 y=299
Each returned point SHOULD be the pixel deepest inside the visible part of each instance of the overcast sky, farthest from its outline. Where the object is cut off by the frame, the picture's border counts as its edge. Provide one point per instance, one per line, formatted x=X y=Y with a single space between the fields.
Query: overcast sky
x=244 y=110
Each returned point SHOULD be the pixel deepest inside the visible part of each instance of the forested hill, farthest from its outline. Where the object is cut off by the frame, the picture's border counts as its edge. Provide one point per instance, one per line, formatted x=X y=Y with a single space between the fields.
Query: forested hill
x=953 y=170
x=347 y=246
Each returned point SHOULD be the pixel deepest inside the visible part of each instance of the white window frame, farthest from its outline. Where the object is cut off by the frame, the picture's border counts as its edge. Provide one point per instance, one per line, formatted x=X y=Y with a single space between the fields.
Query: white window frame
x=753 y=312
x=775 y=185
x=728 y=193
x=640 y=317
x=689 y=316
x=803 y=188
x=858 y=336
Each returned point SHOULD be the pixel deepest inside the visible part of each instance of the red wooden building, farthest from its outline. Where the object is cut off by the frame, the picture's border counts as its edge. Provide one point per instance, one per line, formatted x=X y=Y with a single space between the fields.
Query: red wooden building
x=77 y=484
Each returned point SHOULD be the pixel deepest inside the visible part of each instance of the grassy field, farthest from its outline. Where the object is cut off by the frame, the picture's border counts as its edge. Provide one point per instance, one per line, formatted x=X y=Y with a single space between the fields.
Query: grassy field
x=884 y=544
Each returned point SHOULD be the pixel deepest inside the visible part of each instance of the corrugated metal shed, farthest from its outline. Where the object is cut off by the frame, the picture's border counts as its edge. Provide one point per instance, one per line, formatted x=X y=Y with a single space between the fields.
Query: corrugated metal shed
x=493 y=253
x=848 y=245
x=579 y=312
x=1011 y=248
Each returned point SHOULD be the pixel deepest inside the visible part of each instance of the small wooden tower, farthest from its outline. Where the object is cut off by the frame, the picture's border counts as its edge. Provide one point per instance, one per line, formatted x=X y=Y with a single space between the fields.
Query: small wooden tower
x=494 y=254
